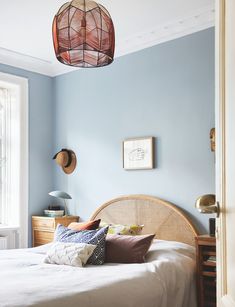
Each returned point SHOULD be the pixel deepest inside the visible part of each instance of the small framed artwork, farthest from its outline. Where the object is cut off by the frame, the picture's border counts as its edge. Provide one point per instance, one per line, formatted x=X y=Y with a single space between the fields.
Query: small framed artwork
x=138 y=153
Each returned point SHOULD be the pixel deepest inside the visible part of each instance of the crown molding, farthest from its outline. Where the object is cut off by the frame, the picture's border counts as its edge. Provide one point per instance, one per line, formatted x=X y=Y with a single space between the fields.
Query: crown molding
x=201 y=19
x=24 y=61
x=33 y=64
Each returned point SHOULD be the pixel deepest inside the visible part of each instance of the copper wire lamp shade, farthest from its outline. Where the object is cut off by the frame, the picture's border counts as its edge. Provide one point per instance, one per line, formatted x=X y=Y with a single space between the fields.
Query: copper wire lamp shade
x=83 y=34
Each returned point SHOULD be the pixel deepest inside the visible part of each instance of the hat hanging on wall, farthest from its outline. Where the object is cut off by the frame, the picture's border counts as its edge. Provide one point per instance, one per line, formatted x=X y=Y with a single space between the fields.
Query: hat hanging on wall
x=66 y=158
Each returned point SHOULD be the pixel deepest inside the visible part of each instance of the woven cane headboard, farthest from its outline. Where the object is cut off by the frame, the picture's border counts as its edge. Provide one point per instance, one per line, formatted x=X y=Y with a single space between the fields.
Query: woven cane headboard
x=158 y=216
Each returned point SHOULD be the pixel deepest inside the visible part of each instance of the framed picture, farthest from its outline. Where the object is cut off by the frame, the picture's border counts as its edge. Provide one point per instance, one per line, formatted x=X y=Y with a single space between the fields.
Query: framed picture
x=138 y=153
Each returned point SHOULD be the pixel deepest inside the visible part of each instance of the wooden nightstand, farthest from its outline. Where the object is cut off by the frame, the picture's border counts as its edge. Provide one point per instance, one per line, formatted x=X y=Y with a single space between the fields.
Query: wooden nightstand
x=206 y=270
x=43 y=227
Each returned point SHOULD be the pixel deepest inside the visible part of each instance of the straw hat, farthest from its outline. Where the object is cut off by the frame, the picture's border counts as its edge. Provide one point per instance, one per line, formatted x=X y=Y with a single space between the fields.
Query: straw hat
x=66 y=158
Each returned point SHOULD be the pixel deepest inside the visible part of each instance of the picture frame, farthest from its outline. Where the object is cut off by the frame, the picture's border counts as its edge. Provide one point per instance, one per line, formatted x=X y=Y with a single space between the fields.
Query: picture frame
x=138 y=153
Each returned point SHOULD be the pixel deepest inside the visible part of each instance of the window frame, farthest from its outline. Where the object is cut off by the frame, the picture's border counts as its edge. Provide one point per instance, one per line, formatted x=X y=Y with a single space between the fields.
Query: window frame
x=20 y=84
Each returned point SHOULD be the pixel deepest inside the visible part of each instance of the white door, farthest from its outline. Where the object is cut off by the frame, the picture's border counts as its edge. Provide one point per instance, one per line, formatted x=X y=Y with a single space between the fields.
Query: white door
x=225 y=152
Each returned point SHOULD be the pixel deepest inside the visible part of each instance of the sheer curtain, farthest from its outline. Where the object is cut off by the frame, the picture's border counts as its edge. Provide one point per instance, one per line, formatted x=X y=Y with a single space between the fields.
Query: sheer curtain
x=3 y=186
x=9 y=159
x=14 y=159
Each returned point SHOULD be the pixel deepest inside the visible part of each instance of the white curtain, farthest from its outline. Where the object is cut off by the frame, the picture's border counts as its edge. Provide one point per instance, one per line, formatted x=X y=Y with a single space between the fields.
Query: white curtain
x=9 y=167
x=3 y=141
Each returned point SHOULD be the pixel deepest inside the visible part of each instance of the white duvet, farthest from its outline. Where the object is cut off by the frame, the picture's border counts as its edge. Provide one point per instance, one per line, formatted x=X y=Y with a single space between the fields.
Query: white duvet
x=165 y=280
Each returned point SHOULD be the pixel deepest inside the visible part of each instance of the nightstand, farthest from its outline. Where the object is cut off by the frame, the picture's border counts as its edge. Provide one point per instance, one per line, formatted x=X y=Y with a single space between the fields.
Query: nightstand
x=43 y=227
x=206 y=270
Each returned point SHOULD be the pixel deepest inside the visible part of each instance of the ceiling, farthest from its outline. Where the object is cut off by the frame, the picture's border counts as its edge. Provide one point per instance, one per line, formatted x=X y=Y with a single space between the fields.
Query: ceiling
x=25 y=28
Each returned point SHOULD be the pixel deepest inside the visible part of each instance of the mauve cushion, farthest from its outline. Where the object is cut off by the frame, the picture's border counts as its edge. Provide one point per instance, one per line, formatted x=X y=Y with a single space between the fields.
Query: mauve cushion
x=127 y=249
x=90 y=225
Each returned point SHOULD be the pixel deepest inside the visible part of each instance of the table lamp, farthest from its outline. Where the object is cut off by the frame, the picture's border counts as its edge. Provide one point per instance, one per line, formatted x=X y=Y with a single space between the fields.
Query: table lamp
x=62 y=195
x=207 y=204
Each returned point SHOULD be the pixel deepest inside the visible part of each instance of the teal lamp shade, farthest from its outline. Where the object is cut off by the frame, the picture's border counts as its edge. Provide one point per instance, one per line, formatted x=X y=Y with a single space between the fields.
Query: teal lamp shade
x=60 y=194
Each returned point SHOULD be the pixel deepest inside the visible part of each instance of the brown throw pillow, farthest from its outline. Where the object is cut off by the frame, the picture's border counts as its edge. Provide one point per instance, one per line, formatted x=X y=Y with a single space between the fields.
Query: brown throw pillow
x=127 y=249
x=90 y=225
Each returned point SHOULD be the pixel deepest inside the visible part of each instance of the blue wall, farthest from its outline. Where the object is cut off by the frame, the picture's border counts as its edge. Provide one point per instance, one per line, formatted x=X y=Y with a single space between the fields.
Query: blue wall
x=40 y=138
x=166 y=91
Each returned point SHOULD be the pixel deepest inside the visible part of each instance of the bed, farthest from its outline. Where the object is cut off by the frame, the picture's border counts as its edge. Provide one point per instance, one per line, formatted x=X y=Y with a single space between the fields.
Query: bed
x=166 y=279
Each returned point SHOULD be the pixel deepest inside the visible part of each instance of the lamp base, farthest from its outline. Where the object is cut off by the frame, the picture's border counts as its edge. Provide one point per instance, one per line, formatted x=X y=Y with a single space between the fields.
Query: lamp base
x=65 y=208
x=212 y=227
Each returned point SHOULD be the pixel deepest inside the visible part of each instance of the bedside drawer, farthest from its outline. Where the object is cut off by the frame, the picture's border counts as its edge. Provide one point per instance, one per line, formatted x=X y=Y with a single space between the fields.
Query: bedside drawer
x=43 y=228
x=44 y=223
x=206 y=270
x=42 y=237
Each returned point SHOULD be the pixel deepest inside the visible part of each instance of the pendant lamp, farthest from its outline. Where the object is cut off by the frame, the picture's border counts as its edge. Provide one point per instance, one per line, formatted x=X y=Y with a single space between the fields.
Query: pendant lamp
x=83 y=34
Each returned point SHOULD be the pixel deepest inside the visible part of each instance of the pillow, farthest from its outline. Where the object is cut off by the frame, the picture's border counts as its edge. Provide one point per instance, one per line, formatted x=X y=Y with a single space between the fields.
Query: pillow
x=127 y=249
x=118 y=229
x=159 y=248
x=95 y=237
x=90 y=225
x=74 y=254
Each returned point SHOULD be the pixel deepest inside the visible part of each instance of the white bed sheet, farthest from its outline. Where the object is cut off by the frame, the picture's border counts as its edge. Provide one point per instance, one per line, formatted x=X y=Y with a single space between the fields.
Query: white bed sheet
x=167 y=279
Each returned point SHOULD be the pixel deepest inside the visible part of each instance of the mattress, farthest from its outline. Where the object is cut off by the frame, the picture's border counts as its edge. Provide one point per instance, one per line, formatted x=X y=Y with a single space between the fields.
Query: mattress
x=166 y=279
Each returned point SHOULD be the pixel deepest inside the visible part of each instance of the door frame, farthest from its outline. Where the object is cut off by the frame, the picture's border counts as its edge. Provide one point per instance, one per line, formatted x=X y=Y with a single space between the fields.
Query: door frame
x=223 y=297
x=220 y=144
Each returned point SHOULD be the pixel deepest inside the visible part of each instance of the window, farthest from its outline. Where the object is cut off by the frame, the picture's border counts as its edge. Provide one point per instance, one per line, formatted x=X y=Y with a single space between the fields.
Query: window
x=3 y=143
x=14 y=155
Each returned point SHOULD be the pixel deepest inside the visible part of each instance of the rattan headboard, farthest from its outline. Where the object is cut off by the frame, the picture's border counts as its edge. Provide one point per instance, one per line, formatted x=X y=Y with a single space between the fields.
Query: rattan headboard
x=158 y=216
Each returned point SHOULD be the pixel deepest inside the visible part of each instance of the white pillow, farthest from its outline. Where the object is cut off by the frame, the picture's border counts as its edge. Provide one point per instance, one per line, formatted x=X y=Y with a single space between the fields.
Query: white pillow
x=74 y=254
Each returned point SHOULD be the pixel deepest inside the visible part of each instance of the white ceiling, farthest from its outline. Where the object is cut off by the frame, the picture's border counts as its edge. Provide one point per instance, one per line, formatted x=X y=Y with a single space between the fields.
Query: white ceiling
x=25 y=28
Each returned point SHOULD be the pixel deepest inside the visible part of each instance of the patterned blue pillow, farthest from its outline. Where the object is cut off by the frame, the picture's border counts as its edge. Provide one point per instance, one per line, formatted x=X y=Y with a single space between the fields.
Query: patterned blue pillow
x=95 y=237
